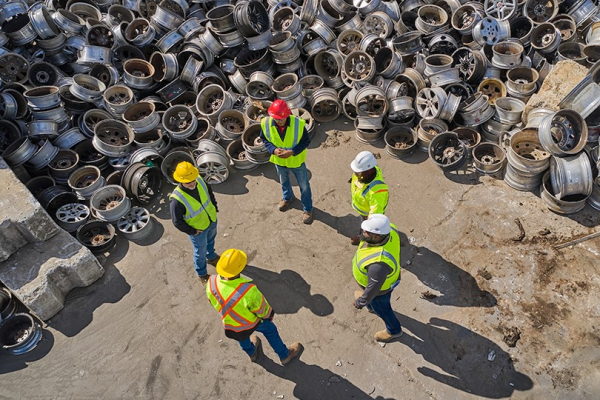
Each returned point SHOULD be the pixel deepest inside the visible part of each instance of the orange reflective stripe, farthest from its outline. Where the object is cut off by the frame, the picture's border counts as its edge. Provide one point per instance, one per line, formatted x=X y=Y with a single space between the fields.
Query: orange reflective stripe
x=261 y=309
x=382 y=190
x=214 y=288
x=239 y=318
x=235 y=297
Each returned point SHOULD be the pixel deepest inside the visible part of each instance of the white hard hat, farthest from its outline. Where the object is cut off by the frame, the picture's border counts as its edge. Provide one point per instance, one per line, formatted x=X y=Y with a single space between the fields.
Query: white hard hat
x=364 y=161
x=378 y=224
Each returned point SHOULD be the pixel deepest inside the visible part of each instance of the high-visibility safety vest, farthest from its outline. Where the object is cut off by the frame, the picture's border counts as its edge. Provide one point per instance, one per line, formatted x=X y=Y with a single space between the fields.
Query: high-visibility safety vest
x=369 y=198
x=241 y=305
x=198 y=215
x=389 y=254
x=293 y=135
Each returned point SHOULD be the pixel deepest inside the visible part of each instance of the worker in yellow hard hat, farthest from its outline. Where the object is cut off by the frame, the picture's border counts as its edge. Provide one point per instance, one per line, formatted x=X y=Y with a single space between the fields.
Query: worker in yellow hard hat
x=244 y=309
x=194 y=211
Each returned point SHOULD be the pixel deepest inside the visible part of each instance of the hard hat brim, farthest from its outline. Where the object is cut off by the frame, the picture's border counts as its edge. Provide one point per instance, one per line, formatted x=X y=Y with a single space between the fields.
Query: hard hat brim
x=354 y=166
x=188 y=178
x=230 y=274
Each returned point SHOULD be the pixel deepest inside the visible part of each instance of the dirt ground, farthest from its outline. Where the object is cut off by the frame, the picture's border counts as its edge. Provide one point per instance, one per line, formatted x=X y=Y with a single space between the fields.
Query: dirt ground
x=489 y=308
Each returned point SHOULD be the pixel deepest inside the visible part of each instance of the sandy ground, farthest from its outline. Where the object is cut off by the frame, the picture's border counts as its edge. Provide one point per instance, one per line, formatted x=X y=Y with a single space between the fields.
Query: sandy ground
x=474 y=283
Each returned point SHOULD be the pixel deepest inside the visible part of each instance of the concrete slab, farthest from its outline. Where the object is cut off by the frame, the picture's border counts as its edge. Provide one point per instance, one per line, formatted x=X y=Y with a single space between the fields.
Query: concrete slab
x=560 y=81
x=41 y=274
x=22 y=218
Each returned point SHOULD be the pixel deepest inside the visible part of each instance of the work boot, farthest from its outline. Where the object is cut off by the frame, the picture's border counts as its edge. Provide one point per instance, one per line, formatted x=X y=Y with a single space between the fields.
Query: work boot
x=204 y=279
x=214 y=261
x=285 y=204
x=384 y=336
x=307 y=217
x=256 y=342
x=355 y=240
x=294 y=350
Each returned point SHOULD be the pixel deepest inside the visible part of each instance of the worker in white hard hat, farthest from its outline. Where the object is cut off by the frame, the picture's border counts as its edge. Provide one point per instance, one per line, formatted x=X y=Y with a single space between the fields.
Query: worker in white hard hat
x=376 y=268
x=369 y=191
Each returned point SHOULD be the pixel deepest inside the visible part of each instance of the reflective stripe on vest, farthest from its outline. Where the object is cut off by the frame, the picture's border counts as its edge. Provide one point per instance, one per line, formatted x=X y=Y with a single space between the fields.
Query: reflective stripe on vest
x=293 y=136
x=227 y=306
x=363 y=202
x=202 y=216
x=190 y=210
x=389 y=254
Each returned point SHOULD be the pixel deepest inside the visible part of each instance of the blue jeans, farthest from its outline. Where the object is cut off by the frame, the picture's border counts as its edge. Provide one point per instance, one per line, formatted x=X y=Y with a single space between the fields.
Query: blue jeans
x=268 y=329
x=382 y=307
x=301 y=174
x=204 y=248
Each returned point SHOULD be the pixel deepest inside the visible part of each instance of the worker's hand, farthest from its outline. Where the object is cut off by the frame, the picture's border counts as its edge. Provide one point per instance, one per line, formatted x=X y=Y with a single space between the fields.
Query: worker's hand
x=278 y=152
x=356 y=305
x=286 y=154
x=198 y=231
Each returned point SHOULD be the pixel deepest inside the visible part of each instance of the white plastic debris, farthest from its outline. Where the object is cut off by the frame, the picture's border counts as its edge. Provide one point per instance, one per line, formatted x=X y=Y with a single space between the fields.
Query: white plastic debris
x=492 y=355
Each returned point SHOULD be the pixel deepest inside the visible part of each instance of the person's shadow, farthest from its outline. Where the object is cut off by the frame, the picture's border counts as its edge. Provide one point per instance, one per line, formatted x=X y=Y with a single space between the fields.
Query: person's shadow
x=471 y=362
x=348 y=225
x=288 y=292
x=457 y=287
x=313 y=382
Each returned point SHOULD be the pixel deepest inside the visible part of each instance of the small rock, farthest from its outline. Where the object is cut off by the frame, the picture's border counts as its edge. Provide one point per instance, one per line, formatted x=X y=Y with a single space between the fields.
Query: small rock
x=280 y=396
x=492 y=355
x=334 y=379
x=411 y=239
x=412 y=229
x=408 y=262
x=338 y=363
x=274 y=393
x=225 y=234
x=511 y=384
x=220 y=340
x=381 y=344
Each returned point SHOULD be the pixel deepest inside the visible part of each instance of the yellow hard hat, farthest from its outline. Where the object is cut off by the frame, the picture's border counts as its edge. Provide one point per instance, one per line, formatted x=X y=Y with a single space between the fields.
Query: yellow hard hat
x=185 y=172
x=231 y=263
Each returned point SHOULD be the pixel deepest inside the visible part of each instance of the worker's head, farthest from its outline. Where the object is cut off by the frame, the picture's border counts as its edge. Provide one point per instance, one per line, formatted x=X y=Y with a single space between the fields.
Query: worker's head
x=186 y=174
x=364 y=165
x=376 y=228
x=279 y=111
x=231 y=263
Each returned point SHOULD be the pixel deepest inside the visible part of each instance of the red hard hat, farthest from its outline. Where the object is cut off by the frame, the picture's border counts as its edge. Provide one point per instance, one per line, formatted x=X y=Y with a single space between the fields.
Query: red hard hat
x=279 y=109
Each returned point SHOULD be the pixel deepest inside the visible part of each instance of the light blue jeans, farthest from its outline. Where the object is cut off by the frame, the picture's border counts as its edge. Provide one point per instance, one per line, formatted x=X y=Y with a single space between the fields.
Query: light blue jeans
x=268 y=329
x=204 y=248
x=301 y=174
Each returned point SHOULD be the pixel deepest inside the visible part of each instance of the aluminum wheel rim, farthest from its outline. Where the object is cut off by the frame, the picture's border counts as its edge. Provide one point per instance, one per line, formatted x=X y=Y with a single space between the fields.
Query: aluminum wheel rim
x=136 y=224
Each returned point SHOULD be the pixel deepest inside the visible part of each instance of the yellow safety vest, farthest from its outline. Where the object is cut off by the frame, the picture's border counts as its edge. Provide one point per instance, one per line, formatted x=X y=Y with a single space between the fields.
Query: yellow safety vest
x=389 y=254
x=369 y=198
x=293 y=135
x=198 y=215
x=241 y=305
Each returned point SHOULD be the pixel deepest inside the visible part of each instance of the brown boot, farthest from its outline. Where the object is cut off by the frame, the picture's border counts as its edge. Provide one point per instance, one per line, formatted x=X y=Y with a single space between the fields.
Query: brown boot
x=294 y=350
x=204 y=279
x=256 y=342
x=355 y=240
x=384 y=336
x=285 y=204
x=213 y=261
x=307 y=217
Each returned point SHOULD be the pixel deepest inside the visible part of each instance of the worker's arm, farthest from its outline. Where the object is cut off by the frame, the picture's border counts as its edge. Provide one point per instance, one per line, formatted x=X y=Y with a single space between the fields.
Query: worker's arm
x=303 y=144
x=379 y=201
x=177 y=213
x=261 y=308
x=212 y=197
x=270 y=146
x=377 y=273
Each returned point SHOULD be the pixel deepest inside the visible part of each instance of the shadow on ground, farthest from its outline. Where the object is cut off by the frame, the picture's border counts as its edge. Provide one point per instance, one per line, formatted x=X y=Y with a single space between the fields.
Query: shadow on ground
x=457 y=287
x=314 y=382
x=348 y=225
x=288 y=292
x=81 y=303
x=471 y=362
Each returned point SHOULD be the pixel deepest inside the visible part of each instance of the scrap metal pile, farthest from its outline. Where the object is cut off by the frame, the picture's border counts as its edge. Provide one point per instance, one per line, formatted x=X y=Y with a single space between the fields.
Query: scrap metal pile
x=101 y=98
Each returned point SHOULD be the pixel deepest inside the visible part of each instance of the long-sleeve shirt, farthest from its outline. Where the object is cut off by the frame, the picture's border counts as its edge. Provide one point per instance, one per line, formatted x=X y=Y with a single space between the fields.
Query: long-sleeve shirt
x=377 y=274
x=178 y=209
x=297 y=149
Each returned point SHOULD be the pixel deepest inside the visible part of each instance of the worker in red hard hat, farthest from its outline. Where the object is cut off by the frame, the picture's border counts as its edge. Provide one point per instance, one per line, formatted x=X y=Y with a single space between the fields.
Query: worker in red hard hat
x=286 y=138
